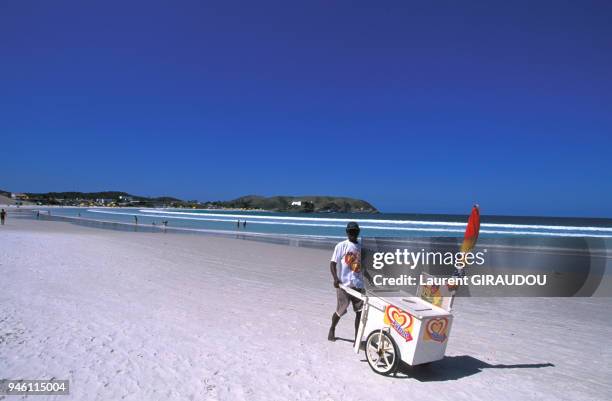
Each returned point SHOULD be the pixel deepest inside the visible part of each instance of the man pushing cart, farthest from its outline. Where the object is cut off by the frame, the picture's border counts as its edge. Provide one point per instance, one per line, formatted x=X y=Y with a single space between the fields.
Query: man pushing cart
x=398 y=326
x=347 y=256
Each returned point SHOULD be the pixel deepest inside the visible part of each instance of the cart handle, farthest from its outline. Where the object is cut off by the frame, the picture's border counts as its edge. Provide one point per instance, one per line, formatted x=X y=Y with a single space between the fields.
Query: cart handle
x=352 y=292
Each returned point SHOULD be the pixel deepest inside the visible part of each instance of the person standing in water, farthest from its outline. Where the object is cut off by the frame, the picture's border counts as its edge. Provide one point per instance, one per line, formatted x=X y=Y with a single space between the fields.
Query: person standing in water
x=2 y=216
x=244 y=224
x=347 y=255
x=238 y=224
x=136 y=220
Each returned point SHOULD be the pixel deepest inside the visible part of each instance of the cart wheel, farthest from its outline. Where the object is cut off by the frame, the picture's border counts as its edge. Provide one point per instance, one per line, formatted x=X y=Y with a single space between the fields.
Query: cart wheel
x=382 y=353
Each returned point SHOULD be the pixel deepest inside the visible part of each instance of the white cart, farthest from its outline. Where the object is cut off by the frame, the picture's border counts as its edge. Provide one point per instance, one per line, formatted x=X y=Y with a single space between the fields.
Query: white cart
x=404 y=327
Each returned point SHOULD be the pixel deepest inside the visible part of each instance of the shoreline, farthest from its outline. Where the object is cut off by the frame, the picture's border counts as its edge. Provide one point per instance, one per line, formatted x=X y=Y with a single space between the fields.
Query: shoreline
x=292 y=239
x=460 y=216
x=299 y=240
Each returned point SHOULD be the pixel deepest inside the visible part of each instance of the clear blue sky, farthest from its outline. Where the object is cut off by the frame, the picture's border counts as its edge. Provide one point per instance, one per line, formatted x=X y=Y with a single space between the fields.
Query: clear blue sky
x=414 y=106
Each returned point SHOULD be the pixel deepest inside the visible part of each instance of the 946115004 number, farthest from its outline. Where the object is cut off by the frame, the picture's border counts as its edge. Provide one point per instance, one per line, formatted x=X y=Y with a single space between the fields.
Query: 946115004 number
x=34 y=387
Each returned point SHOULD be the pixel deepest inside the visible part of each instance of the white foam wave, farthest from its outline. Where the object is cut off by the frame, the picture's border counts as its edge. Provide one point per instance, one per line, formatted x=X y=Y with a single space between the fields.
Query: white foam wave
x=363 y=226
x=383 y=221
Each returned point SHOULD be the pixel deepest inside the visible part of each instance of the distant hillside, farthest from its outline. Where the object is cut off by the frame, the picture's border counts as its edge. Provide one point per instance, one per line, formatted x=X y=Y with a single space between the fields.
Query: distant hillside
x=104 y=198
x=96 y=195
x=6 y=200
x=277 y=203
x=298 y=204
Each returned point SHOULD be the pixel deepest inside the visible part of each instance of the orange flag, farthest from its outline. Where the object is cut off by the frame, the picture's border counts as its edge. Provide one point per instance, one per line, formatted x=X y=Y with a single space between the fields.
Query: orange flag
x=472 y=230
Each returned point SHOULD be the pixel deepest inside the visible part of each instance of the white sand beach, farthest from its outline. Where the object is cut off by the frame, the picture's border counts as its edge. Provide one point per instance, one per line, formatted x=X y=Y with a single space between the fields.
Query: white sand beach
x=153 y=316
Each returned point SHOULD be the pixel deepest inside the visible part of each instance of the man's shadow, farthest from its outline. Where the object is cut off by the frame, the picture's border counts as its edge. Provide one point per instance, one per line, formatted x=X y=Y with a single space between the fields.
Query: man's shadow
x=456 y=367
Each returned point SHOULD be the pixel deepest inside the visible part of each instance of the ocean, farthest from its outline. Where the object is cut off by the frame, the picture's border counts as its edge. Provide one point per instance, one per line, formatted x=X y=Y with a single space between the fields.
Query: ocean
x=332 y=225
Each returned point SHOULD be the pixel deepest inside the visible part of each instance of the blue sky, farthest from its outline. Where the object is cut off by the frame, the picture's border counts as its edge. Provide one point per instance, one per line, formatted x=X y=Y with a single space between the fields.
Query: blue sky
x=414 y=106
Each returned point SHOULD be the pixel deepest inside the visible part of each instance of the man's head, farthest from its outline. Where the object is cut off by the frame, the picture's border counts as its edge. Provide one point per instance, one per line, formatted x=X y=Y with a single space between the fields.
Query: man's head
x=352 y=231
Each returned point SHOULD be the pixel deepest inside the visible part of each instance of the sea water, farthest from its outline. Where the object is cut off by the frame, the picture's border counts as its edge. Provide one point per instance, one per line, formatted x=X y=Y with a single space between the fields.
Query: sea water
x=333 y=225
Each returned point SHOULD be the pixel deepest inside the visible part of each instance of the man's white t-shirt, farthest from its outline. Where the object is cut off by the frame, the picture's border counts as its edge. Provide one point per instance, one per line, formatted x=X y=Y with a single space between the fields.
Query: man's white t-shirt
x=347 y=256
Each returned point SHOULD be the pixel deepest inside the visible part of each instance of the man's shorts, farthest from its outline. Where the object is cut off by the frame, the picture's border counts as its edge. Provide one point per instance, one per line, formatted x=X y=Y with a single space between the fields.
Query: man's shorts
x=344 y=299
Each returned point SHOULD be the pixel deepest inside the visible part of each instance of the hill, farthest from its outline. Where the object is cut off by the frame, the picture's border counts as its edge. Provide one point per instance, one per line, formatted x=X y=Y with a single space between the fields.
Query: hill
x=298 y=204
x=277 y=203
x=6 y=200
x=104 y=198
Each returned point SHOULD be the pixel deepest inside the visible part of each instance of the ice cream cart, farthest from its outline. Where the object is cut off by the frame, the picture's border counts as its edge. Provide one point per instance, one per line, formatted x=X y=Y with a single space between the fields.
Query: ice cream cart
x=400 y=326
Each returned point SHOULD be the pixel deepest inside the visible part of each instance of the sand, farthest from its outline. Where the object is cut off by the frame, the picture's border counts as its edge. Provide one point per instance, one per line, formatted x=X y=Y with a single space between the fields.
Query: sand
x=153 y=316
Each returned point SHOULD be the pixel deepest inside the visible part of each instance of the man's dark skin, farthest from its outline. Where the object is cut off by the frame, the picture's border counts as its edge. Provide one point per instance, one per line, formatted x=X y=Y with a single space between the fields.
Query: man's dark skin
x=352 y=236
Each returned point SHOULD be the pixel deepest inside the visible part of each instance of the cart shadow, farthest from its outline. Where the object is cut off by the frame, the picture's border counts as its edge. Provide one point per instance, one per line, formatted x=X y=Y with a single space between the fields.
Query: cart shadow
x=456 y=367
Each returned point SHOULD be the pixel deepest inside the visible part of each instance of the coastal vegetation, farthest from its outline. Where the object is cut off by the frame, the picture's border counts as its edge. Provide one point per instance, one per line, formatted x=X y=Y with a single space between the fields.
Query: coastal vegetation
x=307 y=204
x=304 y=204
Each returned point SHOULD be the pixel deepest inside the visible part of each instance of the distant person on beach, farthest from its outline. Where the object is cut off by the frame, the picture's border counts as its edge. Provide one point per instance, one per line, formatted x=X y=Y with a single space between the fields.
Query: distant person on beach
x=2 y=216
x=238 y=224
x=347 y=255
x=38 y=214
x=135 y=219
x=244 y=224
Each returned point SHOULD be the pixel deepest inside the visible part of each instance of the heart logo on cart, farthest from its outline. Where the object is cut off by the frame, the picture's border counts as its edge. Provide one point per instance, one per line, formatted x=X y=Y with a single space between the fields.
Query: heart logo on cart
x=401 y=321
x=435 y=329
x=398 y=316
